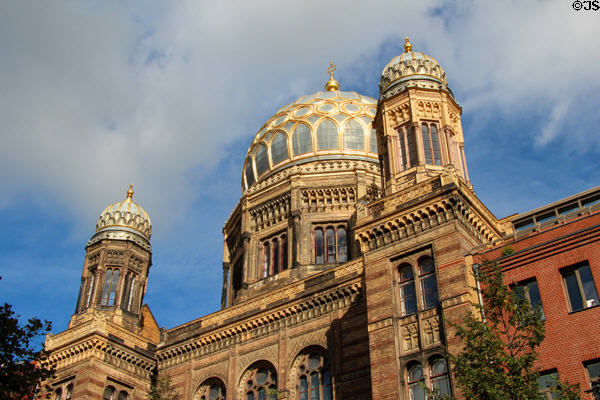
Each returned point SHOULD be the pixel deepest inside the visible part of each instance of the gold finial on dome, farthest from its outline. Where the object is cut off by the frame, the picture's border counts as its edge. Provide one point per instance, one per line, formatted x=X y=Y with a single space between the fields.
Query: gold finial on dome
x=407 y=45
x=130 y=192
x=332 y=85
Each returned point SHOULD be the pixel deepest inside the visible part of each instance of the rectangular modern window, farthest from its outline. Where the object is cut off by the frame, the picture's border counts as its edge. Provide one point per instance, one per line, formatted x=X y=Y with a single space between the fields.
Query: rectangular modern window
x=529 y=290
x=580 y=287
x=547 y=383
x=593 y=371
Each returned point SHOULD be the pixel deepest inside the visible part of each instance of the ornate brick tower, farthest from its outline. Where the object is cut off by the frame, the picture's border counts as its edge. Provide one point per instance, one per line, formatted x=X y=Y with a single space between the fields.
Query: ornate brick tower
x=414 y=239
x=107 y=350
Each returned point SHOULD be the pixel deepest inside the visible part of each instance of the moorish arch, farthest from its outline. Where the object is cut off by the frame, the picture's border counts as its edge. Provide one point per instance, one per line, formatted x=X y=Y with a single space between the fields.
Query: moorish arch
x=258 y=382
x=212 y=388
x=311 y=375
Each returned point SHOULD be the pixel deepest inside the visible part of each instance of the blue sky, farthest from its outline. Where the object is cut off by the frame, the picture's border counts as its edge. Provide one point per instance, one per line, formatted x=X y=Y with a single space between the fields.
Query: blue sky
x=97 y=95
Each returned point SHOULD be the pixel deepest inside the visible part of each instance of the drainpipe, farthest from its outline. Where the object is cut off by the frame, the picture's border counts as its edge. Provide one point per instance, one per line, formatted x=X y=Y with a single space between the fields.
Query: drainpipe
x=476 y=272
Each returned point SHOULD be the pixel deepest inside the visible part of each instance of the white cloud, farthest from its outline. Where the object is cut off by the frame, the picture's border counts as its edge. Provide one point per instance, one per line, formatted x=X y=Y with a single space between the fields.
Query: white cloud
x=96 y=96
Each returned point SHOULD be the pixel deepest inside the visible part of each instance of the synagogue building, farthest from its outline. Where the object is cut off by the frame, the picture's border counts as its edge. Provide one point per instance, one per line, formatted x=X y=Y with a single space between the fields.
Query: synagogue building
x=348 y=258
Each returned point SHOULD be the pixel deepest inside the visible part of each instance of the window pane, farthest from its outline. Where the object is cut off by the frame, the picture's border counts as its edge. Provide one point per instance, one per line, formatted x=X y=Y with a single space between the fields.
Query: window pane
x=327 y=136
x=249 y=173
x=314 y=386
x=250 y=396
x=436 y=145
x=412 y=147
x=342 y=250
x=354 y=136
x=284 y=253
x=330 y=237
x=106 y=288
x=591 y=296
x=442 y=385
x=573 y=289
x=373 y=142
x=438 y=367
x=262 y=163
x=417 y=392
x=303 y=388
x=267 y=257
x=302 y=140
x=426 y=143
x=109 y=393
x=406 y=273
x=319 y=259
x=262 y=395
x=408 y=298
x=426 y=266
x=429 y=289
x=534 y=296
x=594 y=370
x=113 y=289
x=275 y=256
x=327 y=395
x=279 y=149
x=122 y=395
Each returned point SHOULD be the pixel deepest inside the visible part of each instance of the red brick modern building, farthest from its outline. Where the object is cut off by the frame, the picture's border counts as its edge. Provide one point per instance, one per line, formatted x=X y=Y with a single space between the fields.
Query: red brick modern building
x=556 y=260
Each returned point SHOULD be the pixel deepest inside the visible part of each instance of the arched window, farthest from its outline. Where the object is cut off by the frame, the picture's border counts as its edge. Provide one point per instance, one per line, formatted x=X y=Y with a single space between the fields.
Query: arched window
x=327 y=136
x=354 y=135
x=109 y=292
x=284 y=253
x=439 y=376
x=90 y=289
x=123 y=395
x=302 y=140
x=109 y=393
x=249 y=173
x=279 y=148
x=275 y=269
x=416 y=381
x=342 y=246
x=408 y=296
x=431 y=143
x=429 y=291
x=319 y=247
x=131 y=289
x=58 y=394
x=211 y=389
x=69 y=394
x=314 y=378
x=262 y=162
x=260 y=383
x=267 y=259
x=330 y=245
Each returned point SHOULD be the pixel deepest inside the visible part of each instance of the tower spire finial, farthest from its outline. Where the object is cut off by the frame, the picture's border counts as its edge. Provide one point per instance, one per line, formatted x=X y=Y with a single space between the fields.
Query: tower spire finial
x=130 y=192
x=331 y=85
x=407 y=45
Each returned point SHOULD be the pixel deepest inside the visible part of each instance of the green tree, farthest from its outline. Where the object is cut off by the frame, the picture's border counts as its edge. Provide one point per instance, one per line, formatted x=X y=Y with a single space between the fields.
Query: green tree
x=22 y=357
x=161 y=389
x=501 y=345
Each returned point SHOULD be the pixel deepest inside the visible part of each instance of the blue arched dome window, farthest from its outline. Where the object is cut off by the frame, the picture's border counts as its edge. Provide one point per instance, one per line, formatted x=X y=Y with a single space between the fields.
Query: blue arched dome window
x=354 y=135
x=327 y=136
x=302 y=140
x=249 y=173
x=279 y=149
x=262 y=162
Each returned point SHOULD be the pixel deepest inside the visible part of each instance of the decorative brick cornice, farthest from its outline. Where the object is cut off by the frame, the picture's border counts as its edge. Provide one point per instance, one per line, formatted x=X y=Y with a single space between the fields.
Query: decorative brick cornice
x=244 y=329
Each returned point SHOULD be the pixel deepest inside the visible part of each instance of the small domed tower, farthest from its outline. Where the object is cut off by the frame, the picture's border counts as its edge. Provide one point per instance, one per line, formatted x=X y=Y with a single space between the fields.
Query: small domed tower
x=418 y=122
x=117 y=262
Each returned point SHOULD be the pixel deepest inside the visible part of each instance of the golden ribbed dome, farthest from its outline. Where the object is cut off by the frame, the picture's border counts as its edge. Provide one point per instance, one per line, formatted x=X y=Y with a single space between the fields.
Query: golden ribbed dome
x=330 y=124
x=125 y=215
x=411 y=65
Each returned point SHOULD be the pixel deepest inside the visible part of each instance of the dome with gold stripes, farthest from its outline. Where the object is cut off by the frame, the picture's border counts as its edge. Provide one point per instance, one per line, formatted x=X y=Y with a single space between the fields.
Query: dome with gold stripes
x=125 y=216
x=330 y=124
